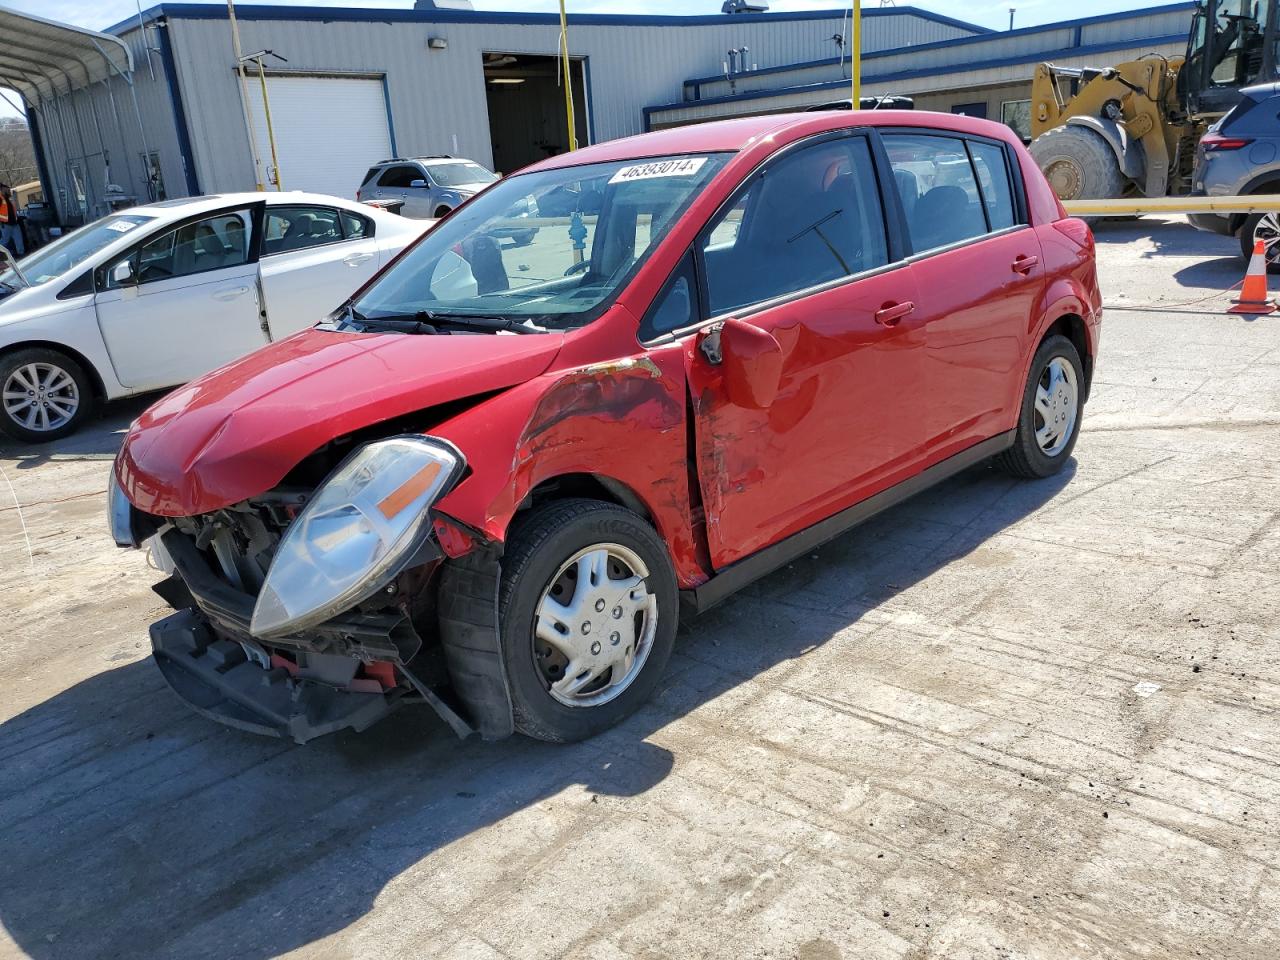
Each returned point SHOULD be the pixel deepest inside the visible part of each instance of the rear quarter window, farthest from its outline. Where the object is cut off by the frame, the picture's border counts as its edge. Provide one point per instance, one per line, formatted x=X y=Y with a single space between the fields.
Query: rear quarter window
x=992 y=165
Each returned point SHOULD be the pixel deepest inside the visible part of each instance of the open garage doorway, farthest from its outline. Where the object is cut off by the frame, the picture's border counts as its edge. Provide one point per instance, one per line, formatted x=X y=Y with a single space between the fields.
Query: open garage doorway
x=527 y=119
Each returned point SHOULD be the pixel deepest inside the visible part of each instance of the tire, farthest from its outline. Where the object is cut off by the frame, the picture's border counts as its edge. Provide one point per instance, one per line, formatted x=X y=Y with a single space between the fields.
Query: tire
x=31 y=371
x=1078 y=163
x=1264 y=226
x=540 y=547
x=441 y=212
x=1030 y=457
x=525 y=238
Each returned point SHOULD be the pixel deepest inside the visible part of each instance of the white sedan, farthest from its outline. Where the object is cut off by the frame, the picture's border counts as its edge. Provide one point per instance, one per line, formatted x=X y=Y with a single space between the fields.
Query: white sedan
x=157 y=295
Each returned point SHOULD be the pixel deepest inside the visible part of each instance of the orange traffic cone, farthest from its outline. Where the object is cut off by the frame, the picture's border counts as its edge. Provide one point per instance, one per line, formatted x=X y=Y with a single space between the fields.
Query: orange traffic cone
x=1253 y=298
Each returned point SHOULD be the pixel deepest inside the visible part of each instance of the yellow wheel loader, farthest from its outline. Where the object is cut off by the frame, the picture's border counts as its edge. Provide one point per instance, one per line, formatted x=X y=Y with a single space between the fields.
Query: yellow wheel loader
x=1132 y=129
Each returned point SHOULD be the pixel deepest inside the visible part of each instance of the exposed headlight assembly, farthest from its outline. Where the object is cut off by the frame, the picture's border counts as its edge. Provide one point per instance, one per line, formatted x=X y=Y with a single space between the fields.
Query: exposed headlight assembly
x=366 y=520
x=120 y=514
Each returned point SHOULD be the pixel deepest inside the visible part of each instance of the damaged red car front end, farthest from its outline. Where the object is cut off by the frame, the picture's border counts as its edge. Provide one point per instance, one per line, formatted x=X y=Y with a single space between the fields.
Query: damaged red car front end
x=491 y=480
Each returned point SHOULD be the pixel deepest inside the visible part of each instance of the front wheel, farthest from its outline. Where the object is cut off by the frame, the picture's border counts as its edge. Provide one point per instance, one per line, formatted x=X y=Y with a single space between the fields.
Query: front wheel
x=1049 y=419
x=44 y=395
x=1264 y=227
x=588 y=611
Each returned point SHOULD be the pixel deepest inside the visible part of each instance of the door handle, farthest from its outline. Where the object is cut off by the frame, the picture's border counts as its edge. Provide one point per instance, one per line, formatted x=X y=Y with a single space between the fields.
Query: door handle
x=891 y=313
x=355 y=259
x=1024 y=264
x=231 y=293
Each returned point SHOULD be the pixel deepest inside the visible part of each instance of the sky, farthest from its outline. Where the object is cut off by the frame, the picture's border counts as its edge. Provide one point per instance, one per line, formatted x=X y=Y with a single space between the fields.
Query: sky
x=100 y=14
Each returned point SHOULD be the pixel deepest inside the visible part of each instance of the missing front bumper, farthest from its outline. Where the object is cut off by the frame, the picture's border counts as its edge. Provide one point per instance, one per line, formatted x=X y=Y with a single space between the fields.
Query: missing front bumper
x=216 y=678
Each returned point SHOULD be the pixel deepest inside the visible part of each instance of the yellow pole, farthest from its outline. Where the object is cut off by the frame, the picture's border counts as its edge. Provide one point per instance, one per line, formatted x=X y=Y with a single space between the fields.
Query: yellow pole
x=568 y=79
x=244 y=93
x=1172 y=206
x=271 y=134
x=855 y=54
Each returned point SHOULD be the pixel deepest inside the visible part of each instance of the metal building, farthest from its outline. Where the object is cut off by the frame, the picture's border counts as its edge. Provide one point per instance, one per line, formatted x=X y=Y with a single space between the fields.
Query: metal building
x=360 y=85
x=349 y=87
x=987 y=75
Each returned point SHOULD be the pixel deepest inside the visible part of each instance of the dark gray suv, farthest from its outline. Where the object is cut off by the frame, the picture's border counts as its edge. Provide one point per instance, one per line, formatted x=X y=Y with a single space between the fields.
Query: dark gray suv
x=1241 y=155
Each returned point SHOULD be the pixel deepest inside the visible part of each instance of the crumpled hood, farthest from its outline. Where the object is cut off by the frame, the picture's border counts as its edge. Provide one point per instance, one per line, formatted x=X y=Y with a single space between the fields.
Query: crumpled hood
x=238 y=431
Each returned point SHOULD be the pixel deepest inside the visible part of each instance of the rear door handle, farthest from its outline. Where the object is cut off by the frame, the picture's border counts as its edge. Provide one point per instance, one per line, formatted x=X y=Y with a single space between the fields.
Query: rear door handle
x=355 y=259
x=891 y=313
x=1024 y=264
x=231 y=293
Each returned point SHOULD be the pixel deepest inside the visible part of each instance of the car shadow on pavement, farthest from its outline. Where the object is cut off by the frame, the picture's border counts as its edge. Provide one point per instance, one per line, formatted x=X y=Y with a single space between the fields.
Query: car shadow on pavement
x=98 y=440
x=131 y=827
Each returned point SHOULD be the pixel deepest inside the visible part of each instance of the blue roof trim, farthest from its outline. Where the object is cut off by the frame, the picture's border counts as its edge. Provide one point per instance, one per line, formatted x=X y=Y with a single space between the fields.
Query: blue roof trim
x=211 y=11
x=1034 y=56
x=962 y=41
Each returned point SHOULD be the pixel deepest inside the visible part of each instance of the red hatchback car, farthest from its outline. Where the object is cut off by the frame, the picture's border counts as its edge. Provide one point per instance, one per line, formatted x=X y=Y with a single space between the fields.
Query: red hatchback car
x=490 y=481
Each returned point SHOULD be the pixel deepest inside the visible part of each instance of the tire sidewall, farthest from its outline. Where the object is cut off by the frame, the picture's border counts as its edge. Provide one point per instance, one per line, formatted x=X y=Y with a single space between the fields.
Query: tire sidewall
x=1246 y=241
x=10 y=427
x=1041 y=463
x=529 y=694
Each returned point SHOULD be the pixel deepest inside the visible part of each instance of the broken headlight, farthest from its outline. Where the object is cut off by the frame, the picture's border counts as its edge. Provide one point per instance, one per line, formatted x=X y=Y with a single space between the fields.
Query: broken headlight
x=365 y=521
x=120 y=514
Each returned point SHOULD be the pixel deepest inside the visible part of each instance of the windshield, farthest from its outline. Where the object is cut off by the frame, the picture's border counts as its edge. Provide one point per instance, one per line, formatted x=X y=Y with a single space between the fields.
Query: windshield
x=551 y=247
x=456 y=174
x=67 y=253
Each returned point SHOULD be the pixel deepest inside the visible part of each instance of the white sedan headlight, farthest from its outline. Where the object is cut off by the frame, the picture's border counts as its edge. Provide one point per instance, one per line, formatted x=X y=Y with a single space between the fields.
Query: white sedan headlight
x=351 y=540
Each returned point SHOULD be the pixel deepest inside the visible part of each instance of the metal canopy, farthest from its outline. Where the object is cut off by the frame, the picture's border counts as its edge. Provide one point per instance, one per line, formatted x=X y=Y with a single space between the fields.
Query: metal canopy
x=42 y=59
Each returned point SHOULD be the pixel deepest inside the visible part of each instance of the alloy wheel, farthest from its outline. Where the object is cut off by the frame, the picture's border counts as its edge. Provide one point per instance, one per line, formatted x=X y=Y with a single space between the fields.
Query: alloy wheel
x=1268 y=231
x=1056 y=407
x=595 y=626
x=40 y=396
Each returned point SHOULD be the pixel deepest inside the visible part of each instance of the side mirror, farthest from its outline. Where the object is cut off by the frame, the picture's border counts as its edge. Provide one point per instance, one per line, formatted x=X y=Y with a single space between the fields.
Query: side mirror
x=122 y=273
x=418 y=184
x=13 y=265
x=750 y=360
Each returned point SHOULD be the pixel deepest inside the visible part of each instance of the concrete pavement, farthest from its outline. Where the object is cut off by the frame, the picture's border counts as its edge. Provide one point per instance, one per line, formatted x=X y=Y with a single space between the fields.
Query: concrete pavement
x=1005 y=720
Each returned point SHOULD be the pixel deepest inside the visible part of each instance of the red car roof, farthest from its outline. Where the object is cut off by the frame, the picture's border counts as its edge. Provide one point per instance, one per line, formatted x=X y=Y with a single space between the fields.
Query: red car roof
x=739 y=133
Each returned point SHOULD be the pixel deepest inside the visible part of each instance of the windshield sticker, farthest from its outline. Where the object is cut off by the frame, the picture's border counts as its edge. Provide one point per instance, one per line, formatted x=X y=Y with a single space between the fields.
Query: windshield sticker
x=683 y=167
x=121 y=226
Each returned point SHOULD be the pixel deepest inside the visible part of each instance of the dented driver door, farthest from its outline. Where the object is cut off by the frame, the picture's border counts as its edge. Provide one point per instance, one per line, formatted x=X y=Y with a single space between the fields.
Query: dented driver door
x=803 y=258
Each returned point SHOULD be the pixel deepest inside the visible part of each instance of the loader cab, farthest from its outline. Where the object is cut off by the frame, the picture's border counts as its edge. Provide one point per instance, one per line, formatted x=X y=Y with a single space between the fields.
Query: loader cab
x=1232 y=44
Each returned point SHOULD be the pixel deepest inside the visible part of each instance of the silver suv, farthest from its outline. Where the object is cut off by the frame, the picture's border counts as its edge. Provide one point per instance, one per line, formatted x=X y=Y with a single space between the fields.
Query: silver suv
x=1239 y=155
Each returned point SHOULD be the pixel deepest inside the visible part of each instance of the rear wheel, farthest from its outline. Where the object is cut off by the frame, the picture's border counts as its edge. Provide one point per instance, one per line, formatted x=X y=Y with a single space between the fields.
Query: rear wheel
x=1078 y=164
x=1049 y=420
x=588 y=610
x=44 y=394
x=1264 y=227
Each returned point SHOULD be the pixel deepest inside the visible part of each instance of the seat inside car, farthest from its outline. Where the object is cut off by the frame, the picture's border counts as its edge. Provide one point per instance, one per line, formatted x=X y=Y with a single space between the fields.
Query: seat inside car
x=796 y=206
x=944 y=215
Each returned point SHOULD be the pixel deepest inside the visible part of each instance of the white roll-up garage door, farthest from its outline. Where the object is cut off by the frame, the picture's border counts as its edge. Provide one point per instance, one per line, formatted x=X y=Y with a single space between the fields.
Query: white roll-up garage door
x=329 y=130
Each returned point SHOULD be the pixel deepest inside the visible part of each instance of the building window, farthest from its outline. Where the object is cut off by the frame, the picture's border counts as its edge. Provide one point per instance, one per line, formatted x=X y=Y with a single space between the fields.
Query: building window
x=1017 y=114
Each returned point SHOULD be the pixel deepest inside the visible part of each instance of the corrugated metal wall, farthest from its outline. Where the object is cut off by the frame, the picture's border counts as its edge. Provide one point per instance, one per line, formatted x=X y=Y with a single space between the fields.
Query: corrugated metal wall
x=939 y=91
x=100 y=124
x=997 y=46
x=436 y=98
x=438 y=95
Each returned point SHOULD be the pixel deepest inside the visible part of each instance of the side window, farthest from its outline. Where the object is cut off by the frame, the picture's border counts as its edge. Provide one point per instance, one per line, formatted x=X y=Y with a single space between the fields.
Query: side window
x=296 y=228
x=356 y=227
x=939 y=192
x=210 y=244
x=992 y=164
x=812 y=217
x=399 y=176
x=677 y=305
